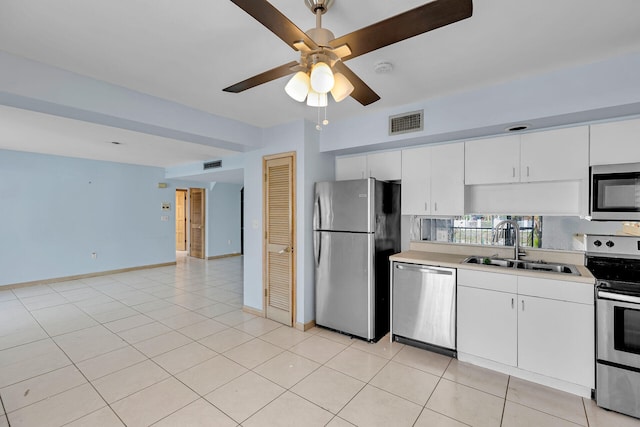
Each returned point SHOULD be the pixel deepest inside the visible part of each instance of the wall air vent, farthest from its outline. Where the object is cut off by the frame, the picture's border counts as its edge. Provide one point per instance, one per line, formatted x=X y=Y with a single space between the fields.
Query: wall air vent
x=407 y=122
x=213 y=165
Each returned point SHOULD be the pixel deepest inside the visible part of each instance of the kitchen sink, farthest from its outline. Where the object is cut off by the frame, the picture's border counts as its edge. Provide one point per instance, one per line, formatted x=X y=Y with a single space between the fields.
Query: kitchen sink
x=522 y=264
x=496 y=262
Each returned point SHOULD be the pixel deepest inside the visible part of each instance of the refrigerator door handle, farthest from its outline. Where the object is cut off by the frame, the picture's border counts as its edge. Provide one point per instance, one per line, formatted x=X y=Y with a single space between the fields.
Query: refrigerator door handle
x=317 y=240
x=317 y=211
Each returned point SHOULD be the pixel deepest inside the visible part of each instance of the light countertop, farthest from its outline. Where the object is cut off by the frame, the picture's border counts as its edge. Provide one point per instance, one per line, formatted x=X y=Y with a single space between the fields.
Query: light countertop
x=451 y=256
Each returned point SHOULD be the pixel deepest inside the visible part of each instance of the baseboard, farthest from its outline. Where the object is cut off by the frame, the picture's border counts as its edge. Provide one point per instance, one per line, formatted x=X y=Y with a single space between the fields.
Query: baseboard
x=85 y=276
x=224 y=256
x=253 y=311
x=305 y=326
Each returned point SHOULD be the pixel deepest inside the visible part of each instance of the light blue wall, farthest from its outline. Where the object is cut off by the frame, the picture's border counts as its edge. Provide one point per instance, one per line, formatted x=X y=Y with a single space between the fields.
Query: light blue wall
x=56 y=211
x=601 y=90
x=223 y=219
x=39 y=87
x=311 y=166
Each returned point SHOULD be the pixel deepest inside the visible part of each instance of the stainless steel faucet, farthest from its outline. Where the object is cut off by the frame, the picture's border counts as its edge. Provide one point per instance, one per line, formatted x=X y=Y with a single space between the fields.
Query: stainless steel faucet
x=517 y=228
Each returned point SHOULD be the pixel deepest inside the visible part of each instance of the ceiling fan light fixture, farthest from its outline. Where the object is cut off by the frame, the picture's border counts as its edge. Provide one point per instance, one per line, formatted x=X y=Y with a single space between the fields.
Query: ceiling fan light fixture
x=322 y=79
x=317 y=99
x=298 y=86
x=342 y=87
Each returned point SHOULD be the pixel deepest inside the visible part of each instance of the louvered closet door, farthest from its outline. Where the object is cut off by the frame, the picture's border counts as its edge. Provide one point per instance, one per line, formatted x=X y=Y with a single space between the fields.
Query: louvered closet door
x=279 y=199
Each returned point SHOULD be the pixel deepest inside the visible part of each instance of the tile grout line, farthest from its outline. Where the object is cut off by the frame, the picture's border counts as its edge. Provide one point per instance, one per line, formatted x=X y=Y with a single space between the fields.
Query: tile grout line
x=504 y=403
x=5 y=412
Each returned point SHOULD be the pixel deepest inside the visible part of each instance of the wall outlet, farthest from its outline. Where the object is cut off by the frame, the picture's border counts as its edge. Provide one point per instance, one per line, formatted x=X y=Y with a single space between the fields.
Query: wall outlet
x=94 y=255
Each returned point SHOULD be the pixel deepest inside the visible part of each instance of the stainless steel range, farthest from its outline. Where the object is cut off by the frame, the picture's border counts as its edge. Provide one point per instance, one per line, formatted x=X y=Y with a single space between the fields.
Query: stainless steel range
x=615 y=263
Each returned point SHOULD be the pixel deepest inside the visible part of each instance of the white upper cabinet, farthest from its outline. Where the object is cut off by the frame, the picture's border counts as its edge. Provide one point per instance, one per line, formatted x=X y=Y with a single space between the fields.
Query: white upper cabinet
x=555 y=155
x=615 y=142
x=433 y=180
x=492 y=160
x=384 y=166
x=416 y=181
x=354 y=167
x=447 y=179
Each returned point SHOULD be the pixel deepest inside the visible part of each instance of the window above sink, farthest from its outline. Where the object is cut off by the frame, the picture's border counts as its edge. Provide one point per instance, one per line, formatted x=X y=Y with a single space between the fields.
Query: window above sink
x=478 y=230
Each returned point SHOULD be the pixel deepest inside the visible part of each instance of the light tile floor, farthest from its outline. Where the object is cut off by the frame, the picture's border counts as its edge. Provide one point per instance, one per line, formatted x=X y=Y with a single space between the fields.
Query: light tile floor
x=171 y=346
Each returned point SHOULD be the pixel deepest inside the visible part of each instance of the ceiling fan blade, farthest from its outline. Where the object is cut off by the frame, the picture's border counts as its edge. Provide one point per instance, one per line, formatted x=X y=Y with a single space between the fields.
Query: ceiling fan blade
x=405 y=25
x=265 y=77
x=275 y=21
x=361 y=92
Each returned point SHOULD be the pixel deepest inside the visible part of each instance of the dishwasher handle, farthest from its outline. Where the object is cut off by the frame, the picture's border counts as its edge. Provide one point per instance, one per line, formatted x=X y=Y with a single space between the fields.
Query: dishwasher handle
x=425 y=269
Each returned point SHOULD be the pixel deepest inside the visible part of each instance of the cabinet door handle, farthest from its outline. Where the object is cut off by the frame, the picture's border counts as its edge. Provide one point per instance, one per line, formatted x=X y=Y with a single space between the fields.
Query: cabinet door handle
x=512 y=302
x=426 y=208
x=522 y=305
x=513 y=174
x=435 y=206
x=527 y=170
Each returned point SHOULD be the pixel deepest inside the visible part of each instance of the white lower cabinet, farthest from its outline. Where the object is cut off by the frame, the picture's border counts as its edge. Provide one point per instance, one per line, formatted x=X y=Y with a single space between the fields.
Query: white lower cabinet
x=556 y=339
x=549 y=334
x=487 y=324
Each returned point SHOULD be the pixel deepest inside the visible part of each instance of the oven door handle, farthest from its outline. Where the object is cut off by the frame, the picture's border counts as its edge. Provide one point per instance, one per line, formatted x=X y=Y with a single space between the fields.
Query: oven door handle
x=618 y=297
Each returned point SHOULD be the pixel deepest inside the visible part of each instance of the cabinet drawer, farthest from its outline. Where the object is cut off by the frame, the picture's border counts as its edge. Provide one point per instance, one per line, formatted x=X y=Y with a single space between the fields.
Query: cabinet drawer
x=556 y=289
x=487 y=280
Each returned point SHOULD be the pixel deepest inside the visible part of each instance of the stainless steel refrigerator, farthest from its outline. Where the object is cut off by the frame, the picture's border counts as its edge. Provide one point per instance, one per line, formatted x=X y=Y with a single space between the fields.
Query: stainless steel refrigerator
x=356 y=228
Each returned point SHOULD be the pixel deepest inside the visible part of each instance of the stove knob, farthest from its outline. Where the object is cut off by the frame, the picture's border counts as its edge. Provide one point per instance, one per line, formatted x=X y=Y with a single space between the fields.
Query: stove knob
x=610 y=244
x=597 y=243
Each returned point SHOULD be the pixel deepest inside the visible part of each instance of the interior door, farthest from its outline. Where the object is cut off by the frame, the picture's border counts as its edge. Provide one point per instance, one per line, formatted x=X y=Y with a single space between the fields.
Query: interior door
x=196 y=209
x=181 y=220
x=279 y=262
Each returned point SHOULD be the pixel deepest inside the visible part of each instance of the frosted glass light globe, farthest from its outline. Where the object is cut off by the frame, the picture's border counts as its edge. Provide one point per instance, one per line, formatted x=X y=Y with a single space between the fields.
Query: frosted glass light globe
x=298 y=86
x=321 y=78
x=315 y=99
x=342 y=87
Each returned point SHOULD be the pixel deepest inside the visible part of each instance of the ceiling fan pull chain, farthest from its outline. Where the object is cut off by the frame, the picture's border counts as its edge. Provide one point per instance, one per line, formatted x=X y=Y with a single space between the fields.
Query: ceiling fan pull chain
x=325 y=121
x=318 y=127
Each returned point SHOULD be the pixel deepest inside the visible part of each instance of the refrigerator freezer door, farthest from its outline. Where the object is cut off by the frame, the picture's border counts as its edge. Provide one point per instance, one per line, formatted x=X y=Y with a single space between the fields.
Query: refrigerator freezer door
x=344 y=282
x=345 y=206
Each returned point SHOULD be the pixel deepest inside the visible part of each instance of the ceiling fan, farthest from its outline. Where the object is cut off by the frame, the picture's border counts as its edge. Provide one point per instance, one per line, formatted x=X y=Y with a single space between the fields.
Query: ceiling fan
x=321 y=67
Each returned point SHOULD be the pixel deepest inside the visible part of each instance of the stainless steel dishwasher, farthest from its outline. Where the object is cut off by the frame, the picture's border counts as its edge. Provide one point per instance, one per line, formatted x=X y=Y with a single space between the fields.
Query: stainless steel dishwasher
x=423 y=307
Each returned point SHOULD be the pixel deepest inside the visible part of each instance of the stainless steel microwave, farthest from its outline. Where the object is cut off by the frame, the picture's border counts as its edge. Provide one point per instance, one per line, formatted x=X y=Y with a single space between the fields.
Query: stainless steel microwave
x=615 y=192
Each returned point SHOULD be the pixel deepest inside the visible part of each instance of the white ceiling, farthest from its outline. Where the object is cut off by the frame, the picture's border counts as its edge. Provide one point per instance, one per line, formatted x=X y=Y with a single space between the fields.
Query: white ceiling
x=187 y=51
x=23 y=130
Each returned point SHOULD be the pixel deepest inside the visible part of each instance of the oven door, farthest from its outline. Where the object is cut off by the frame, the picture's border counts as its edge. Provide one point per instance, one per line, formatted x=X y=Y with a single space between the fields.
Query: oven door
x=615 y=192
x=618 y=328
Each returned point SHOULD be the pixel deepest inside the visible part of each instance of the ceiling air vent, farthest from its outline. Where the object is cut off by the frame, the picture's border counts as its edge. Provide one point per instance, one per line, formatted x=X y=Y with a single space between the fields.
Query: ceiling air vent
x=212 y=165
x=408 y=122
